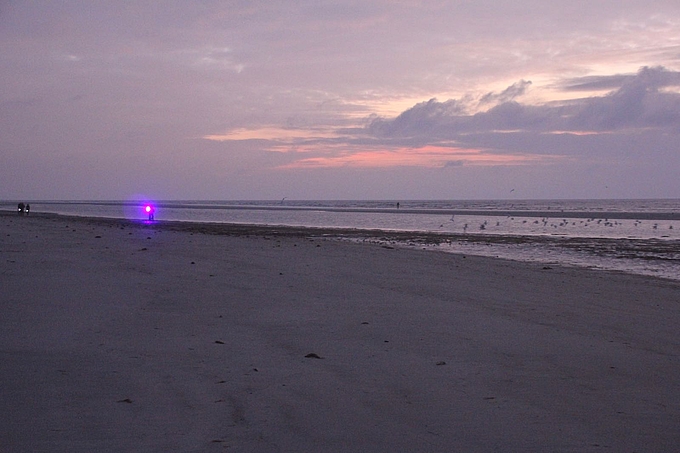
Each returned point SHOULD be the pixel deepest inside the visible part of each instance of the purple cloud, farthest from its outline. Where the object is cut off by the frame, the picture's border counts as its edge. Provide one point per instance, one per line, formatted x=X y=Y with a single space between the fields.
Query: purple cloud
x=509 y=94
x=636 y=103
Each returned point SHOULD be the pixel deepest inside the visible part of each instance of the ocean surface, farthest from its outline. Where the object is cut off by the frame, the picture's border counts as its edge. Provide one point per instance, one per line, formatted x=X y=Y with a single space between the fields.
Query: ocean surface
x=636 y=236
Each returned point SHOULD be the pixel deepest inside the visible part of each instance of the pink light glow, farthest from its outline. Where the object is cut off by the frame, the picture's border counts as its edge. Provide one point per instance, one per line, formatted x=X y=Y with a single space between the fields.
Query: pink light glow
x=148 y=208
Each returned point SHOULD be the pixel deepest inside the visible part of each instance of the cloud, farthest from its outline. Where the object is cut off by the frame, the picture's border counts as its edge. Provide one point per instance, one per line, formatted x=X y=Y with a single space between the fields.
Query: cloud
x=447 y=134
x=259 y=86
x=636 y=102
x=426 y=156
x=595 y=83
x=221 y=57
x=509 y=94
x=422 y=120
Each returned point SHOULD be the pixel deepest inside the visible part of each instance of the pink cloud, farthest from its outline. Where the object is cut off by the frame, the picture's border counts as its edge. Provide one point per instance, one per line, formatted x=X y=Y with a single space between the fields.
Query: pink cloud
x=426 y=156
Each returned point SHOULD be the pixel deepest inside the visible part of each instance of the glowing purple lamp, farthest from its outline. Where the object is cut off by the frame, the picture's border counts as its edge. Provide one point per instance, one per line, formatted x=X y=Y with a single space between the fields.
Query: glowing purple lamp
x=149 y=210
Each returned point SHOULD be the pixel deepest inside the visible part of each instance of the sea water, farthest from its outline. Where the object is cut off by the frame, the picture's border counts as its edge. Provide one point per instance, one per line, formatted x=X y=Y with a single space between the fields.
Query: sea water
x=637 y=236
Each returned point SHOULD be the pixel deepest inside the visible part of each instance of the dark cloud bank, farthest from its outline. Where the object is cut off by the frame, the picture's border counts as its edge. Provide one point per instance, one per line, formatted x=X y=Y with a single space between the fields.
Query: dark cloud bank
x=639 y=102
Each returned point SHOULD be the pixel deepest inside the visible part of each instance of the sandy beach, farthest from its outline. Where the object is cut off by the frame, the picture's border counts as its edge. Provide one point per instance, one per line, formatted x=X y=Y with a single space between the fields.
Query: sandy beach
x=122 y=336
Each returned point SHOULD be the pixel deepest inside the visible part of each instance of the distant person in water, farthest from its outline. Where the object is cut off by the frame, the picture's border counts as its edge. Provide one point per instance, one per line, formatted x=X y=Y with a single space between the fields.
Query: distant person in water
x=149 y=210
x=397 y=205
x=20 y=208
x=28 y=208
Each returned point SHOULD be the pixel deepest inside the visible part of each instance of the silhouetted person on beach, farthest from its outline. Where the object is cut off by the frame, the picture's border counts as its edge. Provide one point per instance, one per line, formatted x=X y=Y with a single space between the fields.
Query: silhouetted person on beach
x=28 y=209
x=20 y=208
x=149 y=210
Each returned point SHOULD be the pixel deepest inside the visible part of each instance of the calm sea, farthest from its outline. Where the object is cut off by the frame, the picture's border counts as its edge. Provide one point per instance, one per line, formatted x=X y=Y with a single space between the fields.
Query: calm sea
x=637 y=236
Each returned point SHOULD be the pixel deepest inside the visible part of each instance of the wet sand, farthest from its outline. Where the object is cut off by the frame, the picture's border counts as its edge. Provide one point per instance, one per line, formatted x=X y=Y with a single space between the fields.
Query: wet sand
x=122 y=336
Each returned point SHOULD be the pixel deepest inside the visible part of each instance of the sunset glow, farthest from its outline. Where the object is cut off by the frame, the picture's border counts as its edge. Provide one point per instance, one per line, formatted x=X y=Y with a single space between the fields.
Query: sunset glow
x=429 y=156
x=248 y=101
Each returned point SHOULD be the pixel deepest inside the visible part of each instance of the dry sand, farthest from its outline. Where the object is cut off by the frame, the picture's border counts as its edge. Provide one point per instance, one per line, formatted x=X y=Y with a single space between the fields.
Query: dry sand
x=116 y=336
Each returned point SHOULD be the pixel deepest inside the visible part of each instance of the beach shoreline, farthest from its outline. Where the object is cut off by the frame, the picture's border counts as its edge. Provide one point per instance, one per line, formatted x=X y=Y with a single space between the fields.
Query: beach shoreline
x=655 y=257
x=123 y=335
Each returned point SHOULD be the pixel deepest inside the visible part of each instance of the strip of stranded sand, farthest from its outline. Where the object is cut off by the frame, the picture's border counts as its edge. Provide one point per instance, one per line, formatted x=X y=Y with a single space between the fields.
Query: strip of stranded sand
x=124 y=336
x=650 y=249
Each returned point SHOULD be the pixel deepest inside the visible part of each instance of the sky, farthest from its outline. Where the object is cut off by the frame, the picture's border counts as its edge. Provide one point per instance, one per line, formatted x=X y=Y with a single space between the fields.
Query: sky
x=339 y=99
